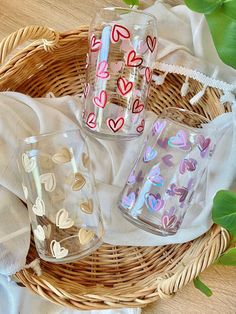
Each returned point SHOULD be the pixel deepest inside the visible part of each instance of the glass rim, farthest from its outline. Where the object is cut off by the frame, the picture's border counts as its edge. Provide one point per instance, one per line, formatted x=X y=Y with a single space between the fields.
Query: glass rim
x=129 y=10
x=36 y=138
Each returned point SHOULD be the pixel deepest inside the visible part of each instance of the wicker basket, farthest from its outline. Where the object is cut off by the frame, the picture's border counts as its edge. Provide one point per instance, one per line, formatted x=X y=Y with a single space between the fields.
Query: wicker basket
x=114 y=276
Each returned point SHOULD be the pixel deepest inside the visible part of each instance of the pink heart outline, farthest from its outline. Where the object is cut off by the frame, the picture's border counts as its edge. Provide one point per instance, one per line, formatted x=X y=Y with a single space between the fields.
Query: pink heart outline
x=137 y=106
x=101 y=100
x=91 y=120
x=119 y=32
x=124 y=86
x=151 y=42
x=95 y=44
x=168 y=222
x=132 y=60
x=115 y=124
x=101 y=71
x=167 y=160
x=203 y=145
x=140 y=127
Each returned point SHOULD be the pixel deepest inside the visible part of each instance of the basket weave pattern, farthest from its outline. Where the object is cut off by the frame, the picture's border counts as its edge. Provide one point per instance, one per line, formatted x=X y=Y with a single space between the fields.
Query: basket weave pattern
x=113 y=276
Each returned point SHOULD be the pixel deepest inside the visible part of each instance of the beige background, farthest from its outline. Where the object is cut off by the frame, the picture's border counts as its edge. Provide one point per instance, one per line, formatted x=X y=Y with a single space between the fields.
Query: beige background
x=69 y=14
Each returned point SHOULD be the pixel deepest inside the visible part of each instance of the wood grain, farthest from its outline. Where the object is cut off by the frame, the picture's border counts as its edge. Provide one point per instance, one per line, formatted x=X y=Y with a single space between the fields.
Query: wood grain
x=69 y=14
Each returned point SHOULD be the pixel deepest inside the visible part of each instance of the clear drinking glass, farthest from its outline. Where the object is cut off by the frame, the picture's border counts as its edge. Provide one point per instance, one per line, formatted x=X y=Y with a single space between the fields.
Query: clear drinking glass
x=58 y=185
x=161 y=186
x=122 y=51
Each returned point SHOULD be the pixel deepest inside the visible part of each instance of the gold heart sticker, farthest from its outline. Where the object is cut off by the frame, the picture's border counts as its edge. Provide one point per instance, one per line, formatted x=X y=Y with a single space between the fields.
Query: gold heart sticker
x=85 y=235
x=85 y=160
x=87 y=207
x=62 y=156
x=79 y=182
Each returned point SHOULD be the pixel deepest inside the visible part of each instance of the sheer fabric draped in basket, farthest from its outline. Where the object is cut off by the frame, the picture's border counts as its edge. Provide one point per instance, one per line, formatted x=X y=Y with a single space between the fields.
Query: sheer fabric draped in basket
x=113 y=276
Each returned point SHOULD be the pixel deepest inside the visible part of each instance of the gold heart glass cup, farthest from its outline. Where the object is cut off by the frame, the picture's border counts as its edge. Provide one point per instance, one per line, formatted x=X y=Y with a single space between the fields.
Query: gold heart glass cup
x=122 y=51
x=59 y=188
x=170 y=169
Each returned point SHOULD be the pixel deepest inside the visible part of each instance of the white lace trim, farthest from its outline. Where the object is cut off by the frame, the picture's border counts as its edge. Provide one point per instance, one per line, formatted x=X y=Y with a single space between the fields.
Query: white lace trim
x=205 y=80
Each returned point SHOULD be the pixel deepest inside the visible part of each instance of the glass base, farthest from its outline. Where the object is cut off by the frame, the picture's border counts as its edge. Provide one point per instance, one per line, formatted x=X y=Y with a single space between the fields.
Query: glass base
x=72 y=258
x=105 y=136
x=146 y=226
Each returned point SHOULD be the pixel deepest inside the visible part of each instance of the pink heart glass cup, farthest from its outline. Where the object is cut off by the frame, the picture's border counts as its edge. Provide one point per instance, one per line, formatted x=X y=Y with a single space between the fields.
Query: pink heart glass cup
x=122 y=51
x=169 y=172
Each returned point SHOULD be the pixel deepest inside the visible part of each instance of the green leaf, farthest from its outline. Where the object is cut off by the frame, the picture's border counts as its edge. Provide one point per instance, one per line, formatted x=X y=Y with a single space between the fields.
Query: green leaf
x=228 y=258
x=203 y=6
x=222 y=24
x=224 y=210
x=202 y=287
x=131 y=2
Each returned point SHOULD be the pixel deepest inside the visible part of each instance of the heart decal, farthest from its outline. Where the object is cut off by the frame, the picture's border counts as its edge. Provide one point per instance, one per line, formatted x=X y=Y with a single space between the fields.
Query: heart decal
x=163 y=142
x=119 y=32
x=128 y=200
x=182 y=192
x=148 y=74
x=85 y=235
x=158 y=127
x=149 y=154
x=124 y=87
x=62 y=156
x=167 y=160
x=49 y=181
x=155 y=177
x=116 y=66
x=140 y=127
x=101 y=71
x=85 y=160
x=39 y=207
x=131 y=179
x=91 y=120
x=187 y=165
x=203 y=145
x=168 y=222
x=115 y=125
x=132 y=60
x=153 y=202
x=39 y=233
x=79 y=182
x=25 y=191
x=87 y=207
x=62 y=219
x=28 y=163
x=95 y=44
x=57 y=250
x=101 y=100
x=180 y=140
x=151 y=43
x=137 y=106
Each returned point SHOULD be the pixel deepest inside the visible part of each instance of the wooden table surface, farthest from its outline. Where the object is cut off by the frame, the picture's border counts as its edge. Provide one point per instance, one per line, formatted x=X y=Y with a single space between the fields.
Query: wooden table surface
x=69 y=14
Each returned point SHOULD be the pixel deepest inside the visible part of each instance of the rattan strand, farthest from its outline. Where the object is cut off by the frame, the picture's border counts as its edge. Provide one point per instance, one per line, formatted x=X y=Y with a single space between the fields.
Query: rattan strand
x=114 y=276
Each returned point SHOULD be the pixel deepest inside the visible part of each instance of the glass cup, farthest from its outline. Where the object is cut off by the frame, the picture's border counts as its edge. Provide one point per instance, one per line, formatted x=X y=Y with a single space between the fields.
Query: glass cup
x=161 y=186
x=122 y=51
x=58 y=185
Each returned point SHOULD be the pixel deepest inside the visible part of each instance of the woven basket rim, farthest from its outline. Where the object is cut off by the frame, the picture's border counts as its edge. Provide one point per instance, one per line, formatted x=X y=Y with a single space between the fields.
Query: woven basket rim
x=162 y=270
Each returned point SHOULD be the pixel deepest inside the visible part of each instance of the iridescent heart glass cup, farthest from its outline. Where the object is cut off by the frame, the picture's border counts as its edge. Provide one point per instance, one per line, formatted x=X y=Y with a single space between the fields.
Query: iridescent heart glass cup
x=162 y=184
x=122 y=52
x=60 y=192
